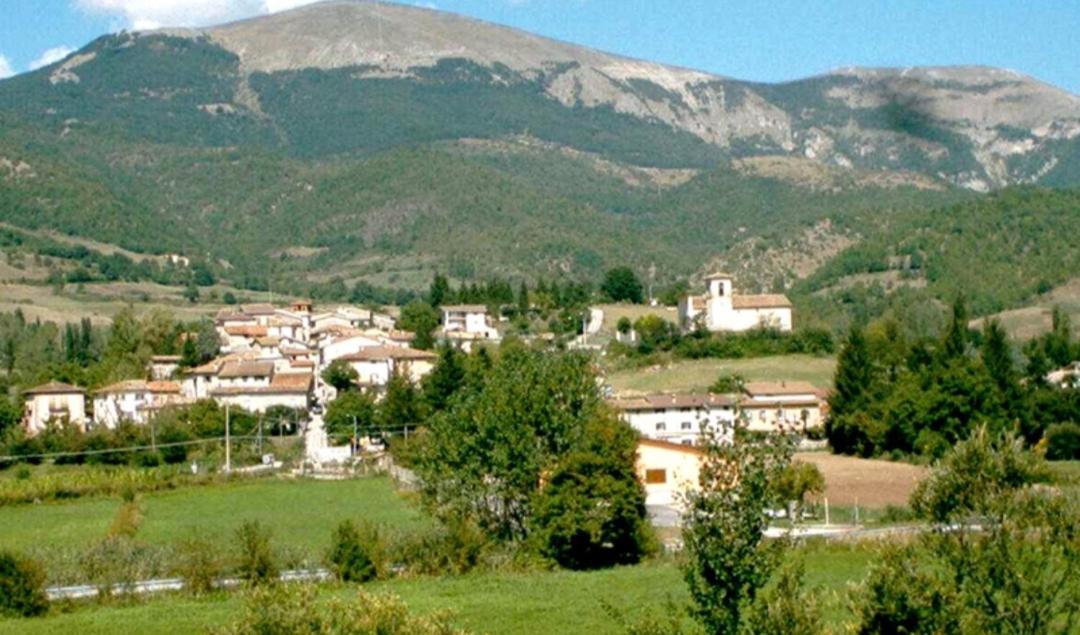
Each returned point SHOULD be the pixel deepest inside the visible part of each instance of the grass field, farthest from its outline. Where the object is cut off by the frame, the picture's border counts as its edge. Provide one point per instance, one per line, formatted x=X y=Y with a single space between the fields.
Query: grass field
x=699 y=374
x=614 y=312
x=1032 y=321
x=539 y=602
x=871 y=483
x=300 y=513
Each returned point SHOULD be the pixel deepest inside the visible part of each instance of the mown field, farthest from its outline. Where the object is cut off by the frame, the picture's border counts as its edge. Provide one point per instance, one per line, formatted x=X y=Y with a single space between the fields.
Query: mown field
x=299 y=513
x=699 y=374
x=540 y=602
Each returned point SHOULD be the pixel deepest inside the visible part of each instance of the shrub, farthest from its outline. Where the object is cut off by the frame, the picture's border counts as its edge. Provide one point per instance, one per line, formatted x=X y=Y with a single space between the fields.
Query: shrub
x=116 y=563
x=353 y=555
x=293 y=610
x=455 y=547
x=1063 y=442
x=785 y=608
x=898 y=597
x=257 y=564
x=198 y=564
x=22 y=586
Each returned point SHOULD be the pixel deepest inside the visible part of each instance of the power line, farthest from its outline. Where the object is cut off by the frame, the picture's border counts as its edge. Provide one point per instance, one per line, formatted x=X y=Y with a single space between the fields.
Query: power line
x=133 y=448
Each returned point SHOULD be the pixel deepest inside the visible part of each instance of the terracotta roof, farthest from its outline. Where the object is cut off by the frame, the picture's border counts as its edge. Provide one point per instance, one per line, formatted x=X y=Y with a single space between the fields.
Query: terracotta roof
x=268 y=341
x=295 y=352
x=259 y=309
x=302 y=363
x=284 y=320
x=209 y=368
x=282 y=384
x=668 y=445
x=766 y=301
x=54 y=388
x=247 y=369
x=377 y=353
x=299 y=382
x=253 y=330
x=164 y=359
x=719 y=274
x=765 y=388
x=403 y=336
x=663 y=402
x=465 y=308
x=139 y=385
x=772 y=404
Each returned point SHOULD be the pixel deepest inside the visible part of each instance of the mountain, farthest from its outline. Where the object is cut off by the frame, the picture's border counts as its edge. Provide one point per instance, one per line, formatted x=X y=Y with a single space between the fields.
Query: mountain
x=377 y=142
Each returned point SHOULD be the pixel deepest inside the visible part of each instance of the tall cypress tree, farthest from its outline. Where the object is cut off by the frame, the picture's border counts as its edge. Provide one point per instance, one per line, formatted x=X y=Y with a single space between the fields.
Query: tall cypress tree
x=855 y=377
x=956 y=335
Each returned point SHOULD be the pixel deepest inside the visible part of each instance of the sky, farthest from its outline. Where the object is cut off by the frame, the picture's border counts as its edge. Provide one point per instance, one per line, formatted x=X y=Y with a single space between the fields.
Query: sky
x=759 y=40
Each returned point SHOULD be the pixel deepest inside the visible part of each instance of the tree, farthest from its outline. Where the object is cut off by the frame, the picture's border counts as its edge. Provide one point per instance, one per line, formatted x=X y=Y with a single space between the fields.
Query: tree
x=523 y=304
x=957 y=336
x=420 y=318
x=400 y=406
x=340 y=375
x=445 y=379
x=621 y=284
x=350 y=556
x=591 y=512
x=1002 y=554
x=853 y=385
x=207 y=340
x=191 y=293
x=439 y=292
x=624 y=325
x=796 y=482
x=728 y=559
x=22 y=586
x=486 y=455
x=351 y=411
x=189 y=353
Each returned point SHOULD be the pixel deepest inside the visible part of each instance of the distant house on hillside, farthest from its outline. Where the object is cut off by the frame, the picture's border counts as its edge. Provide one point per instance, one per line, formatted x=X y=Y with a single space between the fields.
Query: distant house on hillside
x=1066 y=376
x=677 y=418
x=135 y=400
x=54 y=401
x=164 y=366
x=721 y=309
x=791 y=406
x=466 y=323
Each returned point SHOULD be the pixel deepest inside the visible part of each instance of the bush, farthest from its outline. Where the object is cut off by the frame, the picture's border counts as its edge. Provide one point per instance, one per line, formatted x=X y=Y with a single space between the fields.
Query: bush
x=257 y=564
x=198 y=564
x=116 y=563
x=294 y=610
x=455 y=548
x=1063 y=442
x=22 y=586
x=354 y=555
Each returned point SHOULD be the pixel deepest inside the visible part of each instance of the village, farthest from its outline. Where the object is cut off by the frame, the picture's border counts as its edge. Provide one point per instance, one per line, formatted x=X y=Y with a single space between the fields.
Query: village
x=274 y=357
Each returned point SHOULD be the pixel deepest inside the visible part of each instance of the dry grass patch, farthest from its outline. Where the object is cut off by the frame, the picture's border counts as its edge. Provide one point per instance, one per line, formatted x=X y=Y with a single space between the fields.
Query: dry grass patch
x=699 y=374
x=871 y=483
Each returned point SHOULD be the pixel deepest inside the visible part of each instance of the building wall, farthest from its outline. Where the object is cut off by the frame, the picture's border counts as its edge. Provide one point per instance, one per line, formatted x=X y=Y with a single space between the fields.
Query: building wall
x=262 y=402
x=721 y=317
x=41 y=408
x=772 y=418
x=678 y=425
x=680 y=470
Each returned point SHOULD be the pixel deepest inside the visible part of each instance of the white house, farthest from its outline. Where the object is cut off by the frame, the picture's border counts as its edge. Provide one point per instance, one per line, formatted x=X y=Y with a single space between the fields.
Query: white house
x=471 y=319
x=291 y=390
x=246 y=374
x=794 y=406
x=375 y=365
x=164 y=366
x=53 y=401
x=721 y=309
x=134 y=401
x=668 y=470
x=678 y=418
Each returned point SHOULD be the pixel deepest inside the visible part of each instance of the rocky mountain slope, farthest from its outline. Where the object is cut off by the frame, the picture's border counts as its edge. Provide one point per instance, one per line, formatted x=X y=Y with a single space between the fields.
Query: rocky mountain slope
x=977 y=127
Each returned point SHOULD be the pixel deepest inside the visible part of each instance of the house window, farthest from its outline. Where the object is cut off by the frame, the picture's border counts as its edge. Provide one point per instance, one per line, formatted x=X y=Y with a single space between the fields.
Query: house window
x=655 y=477
x=686 y=425
x=660 y=427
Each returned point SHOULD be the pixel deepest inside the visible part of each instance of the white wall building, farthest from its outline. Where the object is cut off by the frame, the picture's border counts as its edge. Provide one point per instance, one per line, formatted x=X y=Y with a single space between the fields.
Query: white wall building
x=291 y=390
x=375 y=365
x=164 y=366
x=54 y=401
x=678 y=418
x=134 y=401
x=471 y=319
x=795 y=406
x=721 y=309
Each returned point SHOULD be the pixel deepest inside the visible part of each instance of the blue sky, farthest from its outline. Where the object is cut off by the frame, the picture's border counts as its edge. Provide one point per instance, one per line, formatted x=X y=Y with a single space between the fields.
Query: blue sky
x=764 y=40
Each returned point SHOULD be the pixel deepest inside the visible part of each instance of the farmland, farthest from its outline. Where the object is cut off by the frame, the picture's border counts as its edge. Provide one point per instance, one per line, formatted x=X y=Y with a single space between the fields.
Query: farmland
x=688 y=375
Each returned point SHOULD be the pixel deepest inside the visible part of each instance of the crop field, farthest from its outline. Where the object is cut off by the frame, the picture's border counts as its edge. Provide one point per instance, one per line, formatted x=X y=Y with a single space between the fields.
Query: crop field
x=1031 y=321
x=699 y=374
x=871 y=483
x=100 y=301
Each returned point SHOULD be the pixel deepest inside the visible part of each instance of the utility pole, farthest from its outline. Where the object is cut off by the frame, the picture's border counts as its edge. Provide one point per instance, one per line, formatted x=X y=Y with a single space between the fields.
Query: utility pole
x=228 y=444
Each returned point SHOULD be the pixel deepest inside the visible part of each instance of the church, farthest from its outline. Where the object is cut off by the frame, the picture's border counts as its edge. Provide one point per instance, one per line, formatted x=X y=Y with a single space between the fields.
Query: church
x=721 y=309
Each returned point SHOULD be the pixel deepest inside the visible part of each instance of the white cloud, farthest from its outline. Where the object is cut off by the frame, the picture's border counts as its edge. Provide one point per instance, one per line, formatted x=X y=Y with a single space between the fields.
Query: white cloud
x=152 y=14
x=51 y=56
x=5 y=68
